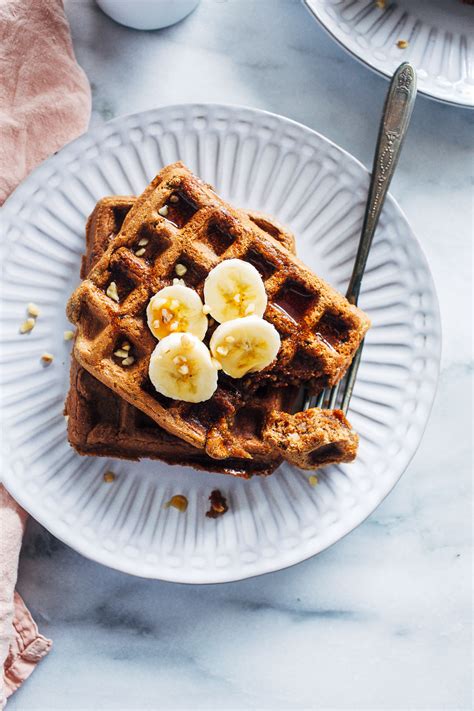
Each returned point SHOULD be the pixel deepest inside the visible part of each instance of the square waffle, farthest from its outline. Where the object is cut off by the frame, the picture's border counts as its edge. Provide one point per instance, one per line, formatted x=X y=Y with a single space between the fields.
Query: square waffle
x=100 y=423
x=186 y=223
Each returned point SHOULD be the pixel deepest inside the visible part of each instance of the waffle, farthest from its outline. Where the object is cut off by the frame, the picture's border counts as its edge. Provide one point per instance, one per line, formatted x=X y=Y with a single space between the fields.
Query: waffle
x=320 y=330
x=100 y=423
x=313 y=438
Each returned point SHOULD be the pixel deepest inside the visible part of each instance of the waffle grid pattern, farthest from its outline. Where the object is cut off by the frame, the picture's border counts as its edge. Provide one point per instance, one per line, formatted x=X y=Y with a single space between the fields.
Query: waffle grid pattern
x=100 y=423
x=185 y=222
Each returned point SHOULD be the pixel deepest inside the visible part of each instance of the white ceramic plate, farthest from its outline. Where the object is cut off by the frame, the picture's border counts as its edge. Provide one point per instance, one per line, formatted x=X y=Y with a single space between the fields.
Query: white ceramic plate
x=440 y=36
x=256 y=160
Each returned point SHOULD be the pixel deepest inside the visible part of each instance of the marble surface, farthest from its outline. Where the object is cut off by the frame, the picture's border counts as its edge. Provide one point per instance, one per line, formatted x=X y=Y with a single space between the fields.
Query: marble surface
x=382 y=619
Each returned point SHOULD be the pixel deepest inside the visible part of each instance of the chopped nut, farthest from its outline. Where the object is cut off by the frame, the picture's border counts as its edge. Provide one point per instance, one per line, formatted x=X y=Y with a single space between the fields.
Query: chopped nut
x=222 y=350
x=402 y=44
x=27 y=325
x=178 y=281
x=206 y=310
x=178 y=501
x=183 y=369
x=218 y=504
x=109 y=477
x=121 y=353
x=163 y=211
x=66 y=417
x=125 y=346
x=112 y=292
x=33 y=310
x=47 y=358
x=166 y=316
x=68 y=335
x=174 y=325
x=128 y=360
x=180 y=269
x=174 y=199
x=313 y=480
x=143 y=242
x=179 y=359
x=140 y=252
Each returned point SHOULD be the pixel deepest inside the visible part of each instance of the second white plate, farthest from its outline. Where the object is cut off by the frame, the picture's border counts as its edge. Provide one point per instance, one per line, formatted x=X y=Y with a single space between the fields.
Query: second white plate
x=255 y=160
x=440 y=36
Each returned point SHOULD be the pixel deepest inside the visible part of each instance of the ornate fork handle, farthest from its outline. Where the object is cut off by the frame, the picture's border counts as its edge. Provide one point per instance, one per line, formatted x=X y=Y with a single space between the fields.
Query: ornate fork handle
x=393 y=126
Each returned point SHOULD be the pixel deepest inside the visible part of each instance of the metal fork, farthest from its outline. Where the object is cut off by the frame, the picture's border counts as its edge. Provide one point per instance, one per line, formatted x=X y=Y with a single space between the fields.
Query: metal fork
x=393 y=128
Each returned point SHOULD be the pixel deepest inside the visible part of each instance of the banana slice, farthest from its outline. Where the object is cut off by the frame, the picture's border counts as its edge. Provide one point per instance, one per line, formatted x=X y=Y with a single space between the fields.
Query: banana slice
x=234 y=289
x=181 y=368
x=245 y=345
x=176 y=309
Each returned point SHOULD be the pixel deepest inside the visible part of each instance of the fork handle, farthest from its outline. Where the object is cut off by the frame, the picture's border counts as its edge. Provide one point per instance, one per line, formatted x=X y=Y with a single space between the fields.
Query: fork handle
x=393 y=127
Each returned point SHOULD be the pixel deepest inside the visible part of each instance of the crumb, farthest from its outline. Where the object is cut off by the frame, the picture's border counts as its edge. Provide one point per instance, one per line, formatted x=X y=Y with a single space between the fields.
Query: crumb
x=178 y=501
x=47 y=358
x=27 y=325
x=112 y=292
x=402 y=44
x=313 y=480
x=109 y=477
x=218 y=504
x=33 y=310
x=180 y=269
x=68 y=335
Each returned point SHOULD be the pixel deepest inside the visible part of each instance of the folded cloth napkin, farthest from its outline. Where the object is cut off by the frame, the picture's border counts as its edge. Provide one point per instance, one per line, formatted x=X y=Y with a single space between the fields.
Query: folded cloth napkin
x=44 y=103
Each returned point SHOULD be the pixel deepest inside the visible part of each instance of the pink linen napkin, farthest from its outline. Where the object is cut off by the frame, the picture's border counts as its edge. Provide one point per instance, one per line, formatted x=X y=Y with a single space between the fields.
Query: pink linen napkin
x=44 y=103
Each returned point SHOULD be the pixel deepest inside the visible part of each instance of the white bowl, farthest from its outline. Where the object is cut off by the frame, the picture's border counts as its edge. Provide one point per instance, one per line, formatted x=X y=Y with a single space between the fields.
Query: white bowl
x=147 y=14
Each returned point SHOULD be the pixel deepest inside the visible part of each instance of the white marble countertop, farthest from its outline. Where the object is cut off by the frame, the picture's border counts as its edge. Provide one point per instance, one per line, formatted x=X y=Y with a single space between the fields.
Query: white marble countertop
x=380 y=620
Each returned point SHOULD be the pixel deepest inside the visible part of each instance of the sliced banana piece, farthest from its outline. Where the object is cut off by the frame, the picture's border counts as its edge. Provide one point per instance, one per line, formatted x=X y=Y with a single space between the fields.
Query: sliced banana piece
x=234 y=289
x=181 y=368
x=176 y=309
x=245 y=345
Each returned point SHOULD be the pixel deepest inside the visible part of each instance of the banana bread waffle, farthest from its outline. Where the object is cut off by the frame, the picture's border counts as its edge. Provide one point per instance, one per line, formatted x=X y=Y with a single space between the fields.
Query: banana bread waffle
x=313 y=438
x=100 y=423
x=184 y=222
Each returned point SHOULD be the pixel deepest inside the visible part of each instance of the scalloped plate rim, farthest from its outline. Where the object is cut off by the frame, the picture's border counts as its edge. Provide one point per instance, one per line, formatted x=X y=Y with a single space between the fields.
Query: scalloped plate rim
x=332 y=533
x=315 y=12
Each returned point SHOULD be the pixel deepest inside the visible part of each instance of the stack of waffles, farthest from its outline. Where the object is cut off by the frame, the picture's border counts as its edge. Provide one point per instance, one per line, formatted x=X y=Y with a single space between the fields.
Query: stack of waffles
x=180 y=227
